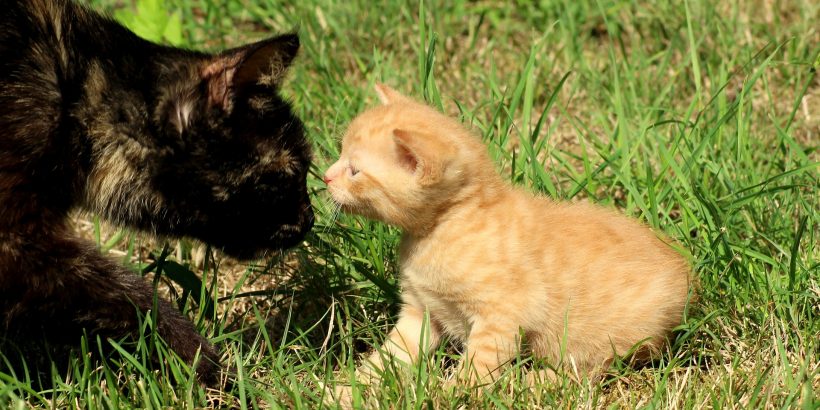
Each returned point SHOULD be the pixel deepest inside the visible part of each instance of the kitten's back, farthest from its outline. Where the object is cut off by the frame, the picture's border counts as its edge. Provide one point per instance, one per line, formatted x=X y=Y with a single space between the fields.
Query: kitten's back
x=582 y=280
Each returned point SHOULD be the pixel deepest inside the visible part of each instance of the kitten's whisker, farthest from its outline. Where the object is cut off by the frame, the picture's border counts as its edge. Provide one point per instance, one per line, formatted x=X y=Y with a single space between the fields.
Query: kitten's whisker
x=334 y=214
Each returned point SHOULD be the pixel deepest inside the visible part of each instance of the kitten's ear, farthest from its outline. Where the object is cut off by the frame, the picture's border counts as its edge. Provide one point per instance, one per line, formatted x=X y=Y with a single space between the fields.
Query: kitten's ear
x=421 y=154
x=387 y=95
x=261 y=63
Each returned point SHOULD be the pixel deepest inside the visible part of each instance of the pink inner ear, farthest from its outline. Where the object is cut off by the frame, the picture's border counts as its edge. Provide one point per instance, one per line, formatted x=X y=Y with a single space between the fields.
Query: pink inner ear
x=219 y=75
x=406 y=158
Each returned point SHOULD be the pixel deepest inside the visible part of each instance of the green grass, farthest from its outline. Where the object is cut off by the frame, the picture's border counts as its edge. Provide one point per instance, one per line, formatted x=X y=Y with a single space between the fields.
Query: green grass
x=701 y=118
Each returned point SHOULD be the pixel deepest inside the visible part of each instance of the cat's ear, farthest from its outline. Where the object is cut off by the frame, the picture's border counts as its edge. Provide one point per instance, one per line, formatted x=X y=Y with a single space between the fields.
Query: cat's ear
x=387 y=95
x=421 y=154
x=261 y=63
x=266 y=61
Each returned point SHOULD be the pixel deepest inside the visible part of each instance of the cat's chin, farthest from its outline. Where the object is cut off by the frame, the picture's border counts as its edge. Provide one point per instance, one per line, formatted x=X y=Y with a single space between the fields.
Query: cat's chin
x=244 y=254
x=252 y=253
x=287 y=236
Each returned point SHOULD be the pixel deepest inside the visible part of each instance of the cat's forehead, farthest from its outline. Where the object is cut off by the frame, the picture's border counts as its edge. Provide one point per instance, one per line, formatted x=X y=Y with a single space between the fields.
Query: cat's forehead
x=370 y=125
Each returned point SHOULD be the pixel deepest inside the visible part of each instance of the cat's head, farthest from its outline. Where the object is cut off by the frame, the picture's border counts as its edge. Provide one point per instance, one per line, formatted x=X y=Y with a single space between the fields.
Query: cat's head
x=239 y=173
x=225 y=160
x=405 y=163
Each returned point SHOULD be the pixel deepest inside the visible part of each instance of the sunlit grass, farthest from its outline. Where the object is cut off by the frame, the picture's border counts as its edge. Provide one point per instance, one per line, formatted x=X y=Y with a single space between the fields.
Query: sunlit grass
x=700 y=118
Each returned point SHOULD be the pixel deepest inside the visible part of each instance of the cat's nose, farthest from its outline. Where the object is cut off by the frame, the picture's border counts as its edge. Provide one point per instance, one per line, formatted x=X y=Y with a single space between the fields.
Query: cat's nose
x=327 y=179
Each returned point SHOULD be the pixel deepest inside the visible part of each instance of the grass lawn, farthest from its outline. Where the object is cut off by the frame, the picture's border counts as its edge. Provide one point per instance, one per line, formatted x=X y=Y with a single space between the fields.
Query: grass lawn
x=701 y=118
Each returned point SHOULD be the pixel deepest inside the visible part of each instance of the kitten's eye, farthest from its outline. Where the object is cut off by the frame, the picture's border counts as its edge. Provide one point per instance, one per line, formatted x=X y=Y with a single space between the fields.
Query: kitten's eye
x=353 y=171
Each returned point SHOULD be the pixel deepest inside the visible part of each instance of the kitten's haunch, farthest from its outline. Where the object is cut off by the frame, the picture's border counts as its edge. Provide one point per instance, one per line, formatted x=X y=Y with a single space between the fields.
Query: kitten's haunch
x=488 y=260
x=166 y=140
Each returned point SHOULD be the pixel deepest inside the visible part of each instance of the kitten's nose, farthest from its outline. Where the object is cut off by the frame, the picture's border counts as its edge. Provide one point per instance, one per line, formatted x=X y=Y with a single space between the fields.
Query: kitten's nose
x=327 y=179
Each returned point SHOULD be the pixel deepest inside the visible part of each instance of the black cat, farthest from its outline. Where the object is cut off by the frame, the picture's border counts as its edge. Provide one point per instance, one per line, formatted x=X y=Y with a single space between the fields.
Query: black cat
x=166 y=140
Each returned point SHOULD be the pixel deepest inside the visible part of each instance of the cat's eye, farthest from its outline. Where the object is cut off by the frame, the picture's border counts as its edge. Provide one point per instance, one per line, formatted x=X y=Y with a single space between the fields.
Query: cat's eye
x=353 y=170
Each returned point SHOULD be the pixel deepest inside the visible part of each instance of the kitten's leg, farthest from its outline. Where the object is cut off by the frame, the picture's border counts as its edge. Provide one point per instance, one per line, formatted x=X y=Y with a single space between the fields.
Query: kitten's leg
x=62 y=286
x=410 y=337
x=491 y=344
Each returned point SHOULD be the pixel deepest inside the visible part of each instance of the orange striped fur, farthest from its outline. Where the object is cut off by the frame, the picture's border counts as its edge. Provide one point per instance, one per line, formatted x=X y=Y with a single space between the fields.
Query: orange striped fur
x=490 y=262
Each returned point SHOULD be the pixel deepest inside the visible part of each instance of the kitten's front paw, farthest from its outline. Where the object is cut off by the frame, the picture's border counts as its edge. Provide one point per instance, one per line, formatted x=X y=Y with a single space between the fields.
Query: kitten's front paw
x=338 y=396
x=368 y=375
x=370 y=369
x=461 y=386
x=344 y=395
x=470 y=376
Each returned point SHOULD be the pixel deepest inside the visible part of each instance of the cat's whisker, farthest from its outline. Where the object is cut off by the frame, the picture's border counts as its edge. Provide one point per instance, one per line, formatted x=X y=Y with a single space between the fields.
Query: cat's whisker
x=334 y=215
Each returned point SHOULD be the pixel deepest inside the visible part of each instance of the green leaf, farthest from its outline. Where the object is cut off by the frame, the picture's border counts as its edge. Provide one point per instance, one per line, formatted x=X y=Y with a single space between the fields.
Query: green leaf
x=189 y=282
x=150 y=19
x=173 y=29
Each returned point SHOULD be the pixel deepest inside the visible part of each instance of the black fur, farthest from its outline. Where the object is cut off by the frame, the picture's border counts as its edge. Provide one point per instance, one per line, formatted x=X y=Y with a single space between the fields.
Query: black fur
x=166 y=140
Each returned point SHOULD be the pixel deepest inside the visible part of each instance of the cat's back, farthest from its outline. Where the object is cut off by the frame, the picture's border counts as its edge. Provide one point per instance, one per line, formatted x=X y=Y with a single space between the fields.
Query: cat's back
x=30 y=28
x=46 y=47
x=617 y=277
x=600 y=233
x=33 y=53
x=49 y=42
x=618 y=280
x=592 y=246
x=559 y=247
x=40 y=79
x=30 y=82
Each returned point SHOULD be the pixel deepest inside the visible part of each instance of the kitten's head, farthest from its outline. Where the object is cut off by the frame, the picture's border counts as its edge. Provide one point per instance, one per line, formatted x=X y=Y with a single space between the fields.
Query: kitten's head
x=224 y=160
x=405 y=163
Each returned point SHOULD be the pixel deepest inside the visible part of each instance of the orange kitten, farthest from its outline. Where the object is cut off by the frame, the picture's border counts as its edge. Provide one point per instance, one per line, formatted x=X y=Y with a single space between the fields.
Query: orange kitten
x=488 y=260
